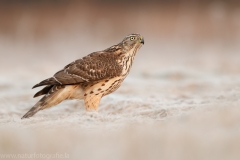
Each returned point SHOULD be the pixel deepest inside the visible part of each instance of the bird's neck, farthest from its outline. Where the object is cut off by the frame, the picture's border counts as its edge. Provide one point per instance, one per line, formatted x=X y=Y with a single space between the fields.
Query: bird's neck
x=127 y=61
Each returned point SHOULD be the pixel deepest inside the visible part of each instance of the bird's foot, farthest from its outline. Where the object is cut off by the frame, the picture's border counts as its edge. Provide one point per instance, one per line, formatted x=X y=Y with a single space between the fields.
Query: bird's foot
x=92 y=113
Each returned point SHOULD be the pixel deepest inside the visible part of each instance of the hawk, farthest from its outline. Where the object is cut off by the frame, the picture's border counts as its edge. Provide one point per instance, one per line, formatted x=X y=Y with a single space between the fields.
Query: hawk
x=89 y=78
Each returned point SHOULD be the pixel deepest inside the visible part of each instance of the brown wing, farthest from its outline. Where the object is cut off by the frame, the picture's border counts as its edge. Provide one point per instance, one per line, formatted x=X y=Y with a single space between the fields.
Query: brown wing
x=94 y=67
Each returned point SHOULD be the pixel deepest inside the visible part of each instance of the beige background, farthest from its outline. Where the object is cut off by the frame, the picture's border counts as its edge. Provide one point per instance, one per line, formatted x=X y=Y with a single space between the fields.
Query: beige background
x=180 y=100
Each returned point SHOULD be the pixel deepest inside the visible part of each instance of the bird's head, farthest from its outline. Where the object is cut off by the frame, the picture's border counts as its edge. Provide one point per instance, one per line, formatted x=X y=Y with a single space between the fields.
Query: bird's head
x=132 y=41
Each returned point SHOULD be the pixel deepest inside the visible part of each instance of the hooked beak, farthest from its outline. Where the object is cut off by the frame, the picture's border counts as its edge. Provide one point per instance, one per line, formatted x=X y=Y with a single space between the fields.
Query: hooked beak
x=142 y=40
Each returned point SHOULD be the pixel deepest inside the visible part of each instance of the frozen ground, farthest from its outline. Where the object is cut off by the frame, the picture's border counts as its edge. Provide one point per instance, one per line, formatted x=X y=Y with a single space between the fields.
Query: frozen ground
x=180 y=101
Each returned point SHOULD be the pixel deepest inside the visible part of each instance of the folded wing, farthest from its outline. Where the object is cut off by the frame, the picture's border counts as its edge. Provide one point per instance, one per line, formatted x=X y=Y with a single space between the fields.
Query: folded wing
x=94 y=67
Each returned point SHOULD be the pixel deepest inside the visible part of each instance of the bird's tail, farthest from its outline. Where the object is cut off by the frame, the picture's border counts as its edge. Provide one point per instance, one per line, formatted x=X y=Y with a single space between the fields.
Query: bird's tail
x=34 y=109
x=54 y=97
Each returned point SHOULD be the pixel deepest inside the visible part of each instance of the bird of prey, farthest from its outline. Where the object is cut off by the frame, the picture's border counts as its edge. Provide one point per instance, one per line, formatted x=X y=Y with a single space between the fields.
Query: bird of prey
x=89 y=78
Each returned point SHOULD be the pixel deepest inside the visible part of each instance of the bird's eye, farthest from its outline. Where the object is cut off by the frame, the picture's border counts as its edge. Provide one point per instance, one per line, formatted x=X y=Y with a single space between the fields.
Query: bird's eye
x=132 y=38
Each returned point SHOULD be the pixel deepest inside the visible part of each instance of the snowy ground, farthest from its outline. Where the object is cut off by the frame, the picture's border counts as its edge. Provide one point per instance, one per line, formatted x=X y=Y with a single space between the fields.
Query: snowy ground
x=180 y=101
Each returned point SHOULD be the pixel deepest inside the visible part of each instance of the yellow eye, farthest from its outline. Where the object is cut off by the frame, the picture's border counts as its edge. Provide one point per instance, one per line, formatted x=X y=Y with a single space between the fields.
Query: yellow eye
x=132 y=38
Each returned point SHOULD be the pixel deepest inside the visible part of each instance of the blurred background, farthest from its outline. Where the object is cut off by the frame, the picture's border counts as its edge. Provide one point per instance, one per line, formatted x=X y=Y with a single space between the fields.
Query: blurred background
x=194 y=33
x=190 y=66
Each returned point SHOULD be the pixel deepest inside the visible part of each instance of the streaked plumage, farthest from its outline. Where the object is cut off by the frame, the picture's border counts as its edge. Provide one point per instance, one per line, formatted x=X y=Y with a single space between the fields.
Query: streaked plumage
x=89 y=78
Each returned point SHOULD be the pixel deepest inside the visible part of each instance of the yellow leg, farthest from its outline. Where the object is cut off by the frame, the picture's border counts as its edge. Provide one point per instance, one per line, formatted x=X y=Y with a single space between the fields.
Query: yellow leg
x=92 y=101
